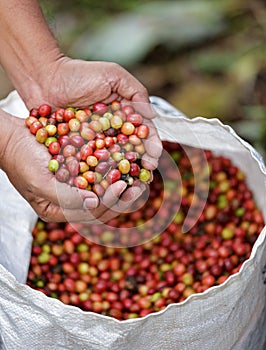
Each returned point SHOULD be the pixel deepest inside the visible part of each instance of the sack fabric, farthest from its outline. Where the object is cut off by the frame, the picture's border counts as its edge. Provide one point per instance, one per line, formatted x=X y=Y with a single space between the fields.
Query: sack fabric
x=227 y=317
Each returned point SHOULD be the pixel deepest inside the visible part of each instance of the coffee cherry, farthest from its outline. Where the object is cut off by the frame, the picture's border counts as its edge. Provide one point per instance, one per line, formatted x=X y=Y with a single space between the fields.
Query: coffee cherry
x=134 y=140
x=62 y=175
x=135 y=118
x=115 y=105
x=69 y=150
x=34 y=112
x=142 y=131
x=131 y=156
x=51 y=129
x=83 y=167
x=102 y=167
x=98 y=189
x=35 y=126
x=81 y=182
x=68 y=114
x=113 y=176
x=105 y=123
x=140 y=149
x=41 y=135
x=30 y=120
x=100 y=108
x=124 y=166
x=127 y=128
x=89 y=176
x=45 y=121
x=85 y=151
x=116 y=122
x=54 y=148
x=118 y=156
x=53 y=165
x=95 y=125
x=87 y=133
x=73 y=167
x=92 y=161
x=77 y=141
x=44 y=110
x=144 y=175
x=134 y=170
x=59 y=115
x=122 y=139
x=74 y=124
x=128 y=109
x=49 y=140
x=101 y=154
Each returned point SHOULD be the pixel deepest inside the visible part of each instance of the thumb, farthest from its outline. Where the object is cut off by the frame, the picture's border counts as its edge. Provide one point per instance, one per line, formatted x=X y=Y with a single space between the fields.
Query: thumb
x=68 y=197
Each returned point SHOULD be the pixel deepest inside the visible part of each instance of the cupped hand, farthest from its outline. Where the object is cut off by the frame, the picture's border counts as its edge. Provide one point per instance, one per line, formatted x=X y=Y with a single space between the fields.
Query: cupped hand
x=70 y=82
x=77 y=83
x=73 y=82
x=25 y=162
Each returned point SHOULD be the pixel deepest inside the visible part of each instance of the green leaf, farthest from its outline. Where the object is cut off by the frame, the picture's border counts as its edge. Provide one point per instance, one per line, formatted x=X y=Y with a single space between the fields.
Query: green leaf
x=129 y=37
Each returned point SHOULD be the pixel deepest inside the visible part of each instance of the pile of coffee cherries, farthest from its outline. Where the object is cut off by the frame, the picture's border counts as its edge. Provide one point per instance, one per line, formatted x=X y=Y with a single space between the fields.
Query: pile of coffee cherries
x=94 y=147
x=134 y=281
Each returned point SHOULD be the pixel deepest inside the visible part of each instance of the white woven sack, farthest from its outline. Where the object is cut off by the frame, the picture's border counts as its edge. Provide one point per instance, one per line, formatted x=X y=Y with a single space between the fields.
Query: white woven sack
x=17 y=217
x=227 y=317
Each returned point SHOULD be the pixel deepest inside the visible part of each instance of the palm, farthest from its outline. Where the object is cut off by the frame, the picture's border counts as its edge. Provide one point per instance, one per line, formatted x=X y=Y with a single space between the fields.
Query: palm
x=79 y=84
x=25 y=163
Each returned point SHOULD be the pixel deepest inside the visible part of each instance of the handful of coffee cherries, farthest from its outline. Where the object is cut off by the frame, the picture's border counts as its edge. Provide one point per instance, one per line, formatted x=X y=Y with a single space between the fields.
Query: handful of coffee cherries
x=94 y=147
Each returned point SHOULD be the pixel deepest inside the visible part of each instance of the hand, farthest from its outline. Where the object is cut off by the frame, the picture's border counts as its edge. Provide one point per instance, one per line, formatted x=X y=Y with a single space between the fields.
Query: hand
x=67 y=82
x=25 y=162
x=79 y=83
x=41 y=74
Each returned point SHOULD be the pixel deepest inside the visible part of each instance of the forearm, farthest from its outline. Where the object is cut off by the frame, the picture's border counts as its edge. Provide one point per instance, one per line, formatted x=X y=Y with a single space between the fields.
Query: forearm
x=6 y=124
x=27 y=46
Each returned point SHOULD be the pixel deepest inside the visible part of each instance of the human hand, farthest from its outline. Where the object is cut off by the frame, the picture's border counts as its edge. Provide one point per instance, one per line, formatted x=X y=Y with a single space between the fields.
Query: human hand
x=25 y=163
x=68 y=82
x=78 y=83
x=41 y=74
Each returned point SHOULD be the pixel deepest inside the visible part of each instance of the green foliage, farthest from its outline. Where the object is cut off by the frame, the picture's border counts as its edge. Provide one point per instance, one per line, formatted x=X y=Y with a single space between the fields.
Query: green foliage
x=129 y=37
x=207 y=57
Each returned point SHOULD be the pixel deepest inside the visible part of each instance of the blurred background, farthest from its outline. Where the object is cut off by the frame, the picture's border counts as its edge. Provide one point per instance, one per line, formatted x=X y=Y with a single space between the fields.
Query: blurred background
x=206 y=57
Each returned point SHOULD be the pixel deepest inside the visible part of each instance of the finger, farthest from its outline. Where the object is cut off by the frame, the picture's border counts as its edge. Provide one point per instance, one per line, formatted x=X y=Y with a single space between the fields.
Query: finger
x=153 y=148
x=149 y=162
x=124 y=204
x=141 y=105
x=113 y=193
x=51 y=212
x=109 y=199
x=111 y=98
x=129 y=197
x=153 y=144
x=70 y=197
x=130 y=88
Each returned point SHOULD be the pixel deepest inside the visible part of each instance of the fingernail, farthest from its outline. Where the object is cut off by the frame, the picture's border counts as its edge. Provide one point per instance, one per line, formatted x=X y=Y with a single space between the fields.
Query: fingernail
x=90 y=203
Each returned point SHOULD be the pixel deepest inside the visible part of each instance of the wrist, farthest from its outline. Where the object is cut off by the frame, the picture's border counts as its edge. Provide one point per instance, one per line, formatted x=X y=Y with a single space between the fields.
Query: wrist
x=34 y=83
x=32 y=76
